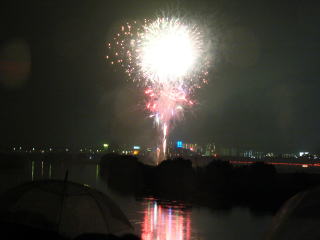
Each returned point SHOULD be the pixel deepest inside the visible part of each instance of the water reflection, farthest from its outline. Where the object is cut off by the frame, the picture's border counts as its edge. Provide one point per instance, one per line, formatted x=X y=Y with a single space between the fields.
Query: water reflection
x=42 y=168
x=152 y=219
x=32 y=170
x=97 y=171
x=165 y=222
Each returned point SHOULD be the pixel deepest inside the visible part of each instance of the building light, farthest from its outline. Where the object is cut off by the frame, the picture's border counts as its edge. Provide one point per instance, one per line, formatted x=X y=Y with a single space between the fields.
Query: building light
x=136 y=147
x=301 y=154
x=135 y=152
x=179 y=144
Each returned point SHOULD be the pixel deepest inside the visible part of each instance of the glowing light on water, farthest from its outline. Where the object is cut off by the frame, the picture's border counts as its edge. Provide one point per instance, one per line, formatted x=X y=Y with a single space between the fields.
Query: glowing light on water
x=97 y=171
x=32 y=170
x=165 y=223
x=169 y=58
x=41 y=168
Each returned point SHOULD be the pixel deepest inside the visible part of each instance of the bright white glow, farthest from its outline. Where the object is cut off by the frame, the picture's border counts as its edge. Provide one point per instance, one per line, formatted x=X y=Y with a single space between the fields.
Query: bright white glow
x=169 y=56
x=301 y=154
x=168 y=50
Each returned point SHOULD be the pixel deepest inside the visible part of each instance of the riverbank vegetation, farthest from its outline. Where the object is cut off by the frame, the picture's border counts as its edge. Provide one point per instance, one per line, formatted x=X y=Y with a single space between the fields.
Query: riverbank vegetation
x=219 y=185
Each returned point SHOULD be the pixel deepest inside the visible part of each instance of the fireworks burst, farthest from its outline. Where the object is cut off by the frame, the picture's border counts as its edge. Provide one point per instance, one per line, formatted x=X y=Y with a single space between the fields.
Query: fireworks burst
x=169 y=58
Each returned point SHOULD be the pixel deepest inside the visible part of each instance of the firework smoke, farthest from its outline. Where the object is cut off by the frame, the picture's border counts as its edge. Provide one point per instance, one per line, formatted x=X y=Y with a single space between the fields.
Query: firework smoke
x=169 y=58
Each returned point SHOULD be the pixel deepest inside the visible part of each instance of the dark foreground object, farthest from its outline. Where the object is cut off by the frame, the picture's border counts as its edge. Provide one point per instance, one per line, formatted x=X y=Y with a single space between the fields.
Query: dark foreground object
x=63 y=207
x=299 y=218
x=19 y=232
x=219 y=185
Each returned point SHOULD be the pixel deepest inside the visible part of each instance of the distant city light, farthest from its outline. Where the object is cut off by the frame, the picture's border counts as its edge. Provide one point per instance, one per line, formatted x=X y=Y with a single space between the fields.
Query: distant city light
x=179 y=144
x=135 y=152
x=105 y=145
x=303 y=153
x=136 y=147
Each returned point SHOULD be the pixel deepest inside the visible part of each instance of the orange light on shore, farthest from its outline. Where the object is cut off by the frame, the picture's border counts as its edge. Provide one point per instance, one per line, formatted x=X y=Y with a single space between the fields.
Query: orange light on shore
x=135 y=152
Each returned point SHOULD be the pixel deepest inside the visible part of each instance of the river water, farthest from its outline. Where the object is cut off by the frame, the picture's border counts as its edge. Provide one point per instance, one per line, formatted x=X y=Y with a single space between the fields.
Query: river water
x=153 y=219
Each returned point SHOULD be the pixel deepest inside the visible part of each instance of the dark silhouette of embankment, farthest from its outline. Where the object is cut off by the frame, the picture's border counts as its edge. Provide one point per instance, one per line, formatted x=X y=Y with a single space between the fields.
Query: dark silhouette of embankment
x=219 y=185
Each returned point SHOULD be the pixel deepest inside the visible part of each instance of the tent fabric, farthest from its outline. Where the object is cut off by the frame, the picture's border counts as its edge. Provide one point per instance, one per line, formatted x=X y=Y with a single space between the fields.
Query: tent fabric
x=68 y=208
x=299 y=218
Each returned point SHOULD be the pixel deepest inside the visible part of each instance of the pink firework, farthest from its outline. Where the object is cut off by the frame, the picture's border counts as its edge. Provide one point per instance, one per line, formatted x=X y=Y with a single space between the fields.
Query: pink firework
x=169 y=58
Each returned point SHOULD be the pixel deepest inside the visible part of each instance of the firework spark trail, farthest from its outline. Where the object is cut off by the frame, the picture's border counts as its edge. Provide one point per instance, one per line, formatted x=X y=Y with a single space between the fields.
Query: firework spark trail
x=169 y=58
x=164 y=141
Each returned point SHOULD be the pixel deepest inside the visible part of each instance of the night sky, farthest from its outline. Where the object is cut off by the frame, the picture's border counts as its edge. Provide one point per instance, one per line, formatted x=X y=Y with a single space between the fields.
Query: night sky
x=56 y=87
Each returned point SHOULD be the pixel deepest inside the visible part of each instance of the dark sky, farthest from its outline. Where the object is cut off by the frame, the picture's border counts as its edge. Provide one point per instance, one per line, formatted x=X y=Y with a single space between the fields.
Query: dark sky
x=57 y=89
